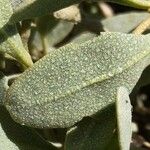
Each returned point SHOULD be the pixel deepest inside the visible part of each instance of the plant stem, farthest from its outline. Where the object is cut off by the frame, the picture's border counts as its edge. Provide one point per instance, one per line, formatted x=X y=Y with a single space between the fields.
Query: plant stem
x=44 y=44
x=143 y=26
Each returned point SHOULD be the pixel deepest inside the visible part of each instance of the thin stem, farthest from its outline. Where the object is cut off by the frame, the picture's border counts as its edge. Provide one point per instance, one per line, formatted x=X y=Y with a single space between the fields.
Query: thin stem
x=2 y=61
x=44 y=44
x=143 y=26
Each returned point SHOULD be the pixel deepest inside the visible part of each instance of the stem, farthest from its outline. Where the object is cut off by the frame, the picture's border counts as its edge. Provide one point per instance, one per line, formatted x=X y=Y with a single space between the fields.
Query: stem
x=143 y=26
x=2 y=61
x=44 y=44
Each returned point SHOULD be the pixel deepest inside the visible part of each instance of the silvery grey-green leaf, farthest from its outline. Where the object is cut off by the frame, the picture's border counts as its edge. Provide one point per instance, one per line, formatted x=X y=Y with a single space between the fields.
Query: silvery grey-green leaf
x=99 y=132
x=124 y=117
x=124 y=22
x=53 y=29
x=77 y=80
x=16 y=137
x=96 y=133
x=10 y=41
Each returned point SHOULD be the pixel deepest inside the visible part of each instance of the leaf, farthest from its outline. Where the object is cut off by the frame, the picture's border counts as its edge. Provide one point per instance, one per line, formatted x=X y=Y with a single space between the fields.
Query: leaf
x=124 y=118
x=98 y=133
x=28 y=8
x=77 y=80
x=83 y=37
x=3 y=87
x=54 y=30
x=142 y=4
x=16 y=137
x=124 y=22
x=94 y=134
x=10 y=41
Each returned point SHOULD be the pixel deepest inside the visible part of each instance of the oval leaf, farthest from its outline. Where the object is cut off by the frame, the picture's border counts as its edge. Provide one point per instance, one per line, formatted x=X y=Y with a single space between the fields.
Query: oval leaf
x=77 y=80
x=94 y=133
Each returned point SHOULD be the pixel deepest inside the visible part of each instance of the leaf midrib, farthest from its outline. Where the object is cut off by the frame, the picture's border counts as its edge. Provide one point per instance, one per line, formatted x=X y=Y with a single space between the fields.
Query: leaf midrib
x=67 y=94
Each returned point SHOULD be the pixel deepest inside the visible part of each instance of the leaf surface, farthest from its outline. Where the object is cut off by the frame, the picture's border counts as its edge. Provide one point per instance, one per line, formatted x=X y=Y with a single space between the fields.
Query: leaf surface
x=16 y=137
x=10 y=41
x=28 y=8
x=77 y=80
x=94 y=133
x=124 y=22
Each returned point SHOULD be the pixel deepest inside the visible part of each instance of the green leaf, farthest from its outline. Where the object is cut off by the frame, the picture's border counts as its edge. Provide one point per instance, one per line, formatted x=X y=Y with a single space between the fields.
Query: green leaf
x=142 y=4
x=53 y=29
x=124 y=22
x=98 y=133
x=16 y=137
x=10 y=41
x=124 y=118
x=28 y=9
x=94 y=133
x=83 y=37
x=77 y=80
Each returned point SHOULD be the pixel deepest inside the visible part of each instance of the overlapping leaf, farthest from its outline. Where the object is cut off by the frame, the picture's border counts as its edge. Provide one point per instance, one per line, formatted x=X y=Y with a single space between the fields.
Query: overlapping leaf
x=10 y=41
x=77 y=80
x=28 y=8
x=16 y=137
x=54 y=30
x=124 y=22
x=101 y=131
x=96 y=133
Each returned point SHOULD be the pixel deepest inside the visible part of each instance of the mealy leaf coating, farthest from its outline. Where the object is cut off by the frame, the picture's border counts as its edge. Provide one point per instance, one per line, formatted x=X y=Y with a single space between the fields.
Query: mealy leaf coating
x=77 y=80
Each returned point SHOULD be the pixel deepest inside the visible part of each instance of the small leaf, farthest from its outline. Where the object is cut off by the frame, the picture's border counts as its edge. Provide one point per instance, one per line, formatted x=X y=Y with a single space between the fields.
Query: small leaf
x=54 y=30
x=77 y=80
x=124 y=22
x=10 y=41
x=99 y=133
x=28 y=9
x=124 y=118
x=16 y=137
x=94 y=134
